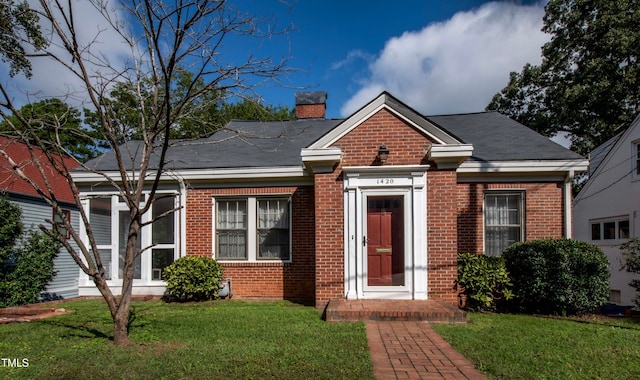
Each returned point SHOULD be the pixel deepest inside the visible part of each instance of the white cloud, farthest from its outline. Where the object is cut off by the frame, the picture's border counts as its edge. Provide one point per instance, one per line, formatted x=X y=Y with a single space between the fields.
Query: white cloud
x=51 y=79
x=456 y=66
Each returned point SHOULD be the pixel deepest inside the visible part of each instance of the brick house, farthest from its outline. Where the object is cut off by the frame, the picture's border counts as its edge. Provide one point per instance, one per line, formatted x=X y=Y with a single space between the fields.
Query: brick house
x=376 y=205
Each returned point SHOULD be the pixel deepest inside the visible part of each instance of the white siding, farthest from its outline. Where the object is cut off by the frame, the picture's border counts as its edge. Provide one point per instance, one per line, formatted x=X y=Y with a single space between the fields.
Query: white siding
x=612 y=192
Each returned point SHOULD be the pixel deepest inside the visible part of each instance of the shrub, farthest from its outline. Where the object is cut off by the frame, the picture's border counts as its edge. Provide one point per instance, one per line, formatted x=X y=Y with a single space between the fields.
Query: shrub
x=28 y=269
x=630 y=252
x=193 y=278
x=484 y=281
x=557 y=276
x=26 y=261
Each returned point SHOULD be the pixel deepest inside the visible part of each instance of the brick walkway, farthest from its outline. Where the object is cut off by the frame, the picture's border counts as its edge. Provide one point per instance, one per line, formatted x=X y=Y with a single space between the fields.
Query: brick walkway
x=413 y=350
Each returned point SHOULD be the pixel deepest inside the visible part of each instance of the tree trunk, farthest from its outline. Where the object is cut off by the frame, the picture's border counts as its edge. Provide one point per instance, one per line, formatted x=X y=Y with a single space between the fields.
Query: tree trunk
x=121 y=325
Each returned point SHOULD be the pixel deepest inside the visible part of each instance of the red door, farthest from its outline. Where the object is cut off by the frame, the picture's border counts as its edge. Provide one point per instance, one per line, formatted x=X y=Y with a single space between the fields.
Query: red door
x=385 y=247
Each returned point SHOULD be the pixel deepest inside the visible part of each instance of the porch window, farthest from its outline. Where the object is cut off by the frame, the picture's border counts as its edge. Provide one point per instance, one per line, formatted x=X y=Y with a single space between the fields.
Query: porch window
x=503 y=221
x=110 y=221
x=252 y=229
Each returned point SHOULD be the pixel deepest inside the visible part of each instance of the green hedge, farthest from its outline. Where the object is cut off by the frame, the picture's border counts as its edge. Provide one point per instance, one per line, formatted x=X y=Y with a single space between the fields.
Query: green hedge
x=193 y=278
x=484 y=281
x=557 y=276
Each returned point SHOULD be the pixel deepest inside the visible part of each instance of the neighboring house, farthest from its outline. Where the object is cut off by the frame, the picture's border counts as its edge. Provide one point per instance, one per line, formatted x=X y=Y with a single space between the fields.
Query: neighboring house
x=607 y=209
x=377 y=205
x=35 y=210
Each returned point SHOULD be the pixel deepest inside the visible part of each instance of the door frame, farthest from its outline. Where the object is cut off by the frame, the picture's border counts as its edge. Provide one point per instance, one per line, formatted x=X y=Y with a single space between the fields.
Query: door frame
x=387 y=290
x=361 y=182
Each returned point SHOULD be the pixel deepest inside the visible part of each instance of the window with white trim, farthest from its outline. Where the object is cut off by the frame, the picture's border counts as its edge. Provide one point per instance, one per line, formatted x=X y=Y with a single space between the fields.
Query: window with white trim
x=610 y=229
x=109 y=219
x=252 y=229
x=503 y=221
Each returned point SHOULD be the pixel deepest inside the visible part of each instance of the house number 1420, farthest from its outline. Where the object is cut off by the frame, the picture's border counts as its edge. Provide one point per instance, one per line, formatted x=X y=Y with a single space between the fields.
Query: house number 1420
x=385 y=181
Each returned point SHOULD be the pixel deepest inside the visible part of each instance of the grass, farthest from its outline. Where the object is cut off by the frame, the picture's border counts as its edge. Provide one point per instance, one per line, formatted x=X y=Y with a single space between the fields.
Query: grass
x=505 y=346
x=223 y=339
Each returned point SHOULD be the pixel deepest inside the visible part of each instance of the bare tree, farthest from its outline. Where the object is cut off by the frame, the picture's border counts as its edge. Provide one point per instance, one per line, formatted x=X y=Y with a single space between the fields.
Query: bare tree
x=163 y=37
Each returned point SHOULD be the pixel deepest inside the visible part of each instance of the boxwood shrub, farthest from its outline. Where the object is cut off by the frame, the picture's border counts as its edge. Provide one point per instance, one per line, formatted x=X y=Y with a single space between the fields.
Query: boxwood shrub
x=557 y=276
x=484 y=281
x=193 y=278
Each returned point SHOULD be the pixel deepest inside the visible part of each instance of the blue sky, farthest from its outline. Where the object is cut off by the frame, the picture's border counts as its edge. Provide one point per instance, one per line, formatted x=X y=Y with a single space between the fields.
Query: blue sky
x=437 y=56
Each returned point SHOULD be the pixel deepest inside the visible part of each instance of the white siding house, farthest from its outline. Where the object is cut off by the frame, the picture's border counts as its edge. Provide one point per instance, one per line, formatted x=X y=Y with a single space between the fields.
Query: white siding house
x=607 y=209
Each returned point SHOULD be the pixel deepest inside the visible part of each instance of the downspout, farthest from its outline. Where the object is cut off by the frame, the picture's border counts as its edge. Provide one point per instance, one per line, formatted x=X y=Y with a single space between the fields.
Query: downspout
x=183 y=217
x=568 y=203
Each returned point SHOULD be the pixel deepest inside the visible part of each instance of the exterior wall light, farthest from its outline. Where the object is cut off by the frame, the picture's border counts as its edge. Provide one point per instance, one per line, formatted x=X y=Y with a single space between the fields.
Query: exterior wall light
x=383 y=153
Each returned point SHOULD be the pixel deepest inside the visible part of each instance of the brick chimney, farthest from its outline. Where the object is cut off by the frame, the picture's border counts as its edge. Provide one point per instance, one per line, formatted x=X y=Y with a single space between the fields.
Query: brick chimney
x=311 y=105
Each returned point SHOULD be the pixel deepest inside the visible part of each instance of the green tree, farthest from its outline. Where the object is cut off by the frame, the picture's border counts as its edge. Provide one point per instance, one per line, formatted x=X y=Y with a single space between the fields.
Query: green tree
x=201 y=117
x=588 y=84
x=210 y=38
x=57 y=125
x=18 y=24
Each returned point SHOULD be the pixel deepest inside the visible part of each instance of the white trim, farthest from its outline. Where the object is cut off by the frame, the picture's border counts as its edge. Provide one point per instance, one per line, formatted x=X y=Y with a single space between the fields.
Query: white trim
x=203 y=174
x=391 y=104
x=449 y=156
x=321 y=160
x=409 y=181
x=529 y=166
x=568 y=202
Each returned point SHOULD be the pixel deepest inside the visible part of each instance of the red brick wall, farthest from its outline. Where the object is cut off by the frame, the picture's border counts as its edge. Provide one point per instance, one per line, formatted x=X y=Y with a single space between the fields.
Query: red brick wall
x=360 y=148
x=309 y=111
x=544 y=207
x=267 y=280
x=442 y=236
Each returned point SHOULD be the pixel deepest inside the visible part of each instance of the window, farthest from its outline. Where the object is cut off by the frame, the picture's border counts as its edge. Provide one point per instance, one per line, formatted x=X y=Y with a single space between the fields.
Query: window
x=252 y=229
x=610 y=229
x=231 y=232
x=59 y=222
x=273 y=229
x=109 y=219
x=503 y=221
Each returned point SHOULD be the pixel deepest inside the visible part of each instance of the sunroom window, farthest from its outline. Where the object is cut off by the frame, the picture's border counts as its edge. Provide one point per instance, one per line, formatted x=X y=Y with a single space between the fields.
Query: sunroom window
x=157 y=240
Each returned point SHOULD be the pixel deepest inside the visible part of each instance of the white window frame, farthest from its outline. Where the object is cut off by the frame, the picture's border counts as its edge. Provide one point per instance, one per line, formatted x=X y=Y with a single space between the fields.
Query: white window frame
x=146 y=264
x=252 y=227
x=522 y=212
x=601 y=223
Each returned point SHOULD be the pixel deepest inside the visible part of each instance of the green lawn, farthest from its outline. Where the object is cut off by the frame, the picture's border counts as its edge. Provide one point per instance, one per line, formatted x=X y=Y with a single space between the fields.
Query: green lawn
x=223 y=339
x=506 y=346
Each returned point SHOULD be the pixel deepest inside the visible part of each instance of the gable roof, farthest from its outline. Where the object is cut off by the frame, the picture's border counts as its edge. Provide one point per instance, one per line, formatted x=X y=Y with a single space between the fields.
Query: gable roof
x=496 y=137
x=19 y=153
x=604 y=153
x=256 y=144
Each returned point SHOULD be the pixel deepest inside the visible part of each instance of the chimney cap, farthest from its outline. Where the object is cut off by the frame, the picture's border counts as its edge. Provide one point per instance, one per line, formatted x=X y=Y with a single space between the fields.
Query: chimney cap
x=316 y=97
